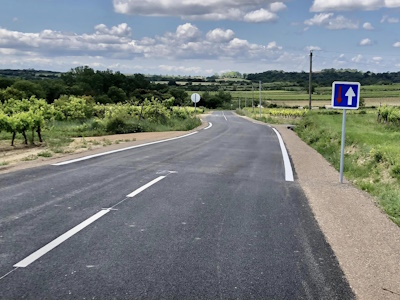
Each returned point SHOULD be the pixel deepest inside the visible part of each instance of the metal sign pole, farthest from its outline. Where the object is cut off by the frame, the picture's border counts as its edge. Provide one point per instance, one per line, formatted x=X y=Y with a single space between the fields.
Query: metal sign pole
x=343 y=142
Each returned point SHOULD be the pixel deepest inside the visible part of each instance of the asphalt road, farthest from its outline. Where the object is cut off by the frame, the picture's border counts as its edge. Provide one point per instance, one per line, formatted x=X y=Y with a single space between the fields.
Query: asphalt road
x=211 y=217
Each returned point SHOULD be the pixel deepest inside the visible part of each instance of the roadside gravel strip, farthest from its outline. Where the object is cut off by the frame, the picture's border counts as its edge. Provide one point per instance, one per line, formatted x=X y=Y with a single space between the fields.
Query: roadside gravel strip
x=365 y=241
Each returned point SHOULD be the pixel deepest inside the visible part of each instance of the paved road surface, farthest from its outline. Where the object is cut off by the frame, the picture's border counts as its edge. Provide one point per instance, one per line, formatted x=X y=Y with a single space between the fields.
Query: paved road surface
x=211 y=217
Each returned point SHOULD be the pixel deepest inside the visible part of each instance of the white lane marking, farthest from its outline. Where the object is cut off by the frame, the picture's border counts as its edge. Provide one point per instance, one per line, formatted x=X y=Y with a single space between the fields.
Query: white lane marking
x=209 y=126
x=224 y=116
x=286 y=161
x=62 y=238
x=146 y=186
x=119 y=150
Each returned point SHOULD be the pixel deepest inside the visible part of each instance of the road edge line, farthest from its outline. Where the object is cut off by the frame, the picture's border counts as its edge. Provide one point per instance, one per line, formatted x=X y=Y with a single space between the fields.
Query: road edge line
x=286 y=161
x=67 y=162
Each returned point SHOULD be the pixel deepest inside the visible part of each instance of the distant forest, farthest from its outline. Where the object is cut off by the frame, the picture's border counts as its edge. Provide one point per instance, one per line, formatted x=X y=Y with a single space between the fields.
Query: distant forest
x=114 y=87
x=327 y=76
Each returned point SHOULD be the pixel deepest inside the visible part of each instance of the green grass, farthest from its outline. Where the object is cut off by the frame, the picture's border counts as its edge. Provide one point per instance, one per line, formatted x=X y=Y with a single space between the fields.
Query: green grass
x=45 y=154
x=372 y=158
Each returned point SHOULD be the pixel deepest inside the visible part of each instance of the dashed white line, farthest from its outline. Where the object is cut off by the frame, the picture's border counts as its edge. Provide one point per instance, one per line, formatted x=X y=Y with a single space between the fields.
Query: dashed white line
x=120 y=150
x=224 y=116
x=286 y=161
x=62 y=238
x=146 y=186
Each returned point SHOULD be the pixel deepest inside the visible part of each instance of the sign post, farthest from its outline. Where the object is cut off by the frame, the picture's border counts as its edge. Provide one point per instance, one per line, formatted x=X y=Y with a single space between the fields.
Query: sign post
x=345 y=95
x=195 y=99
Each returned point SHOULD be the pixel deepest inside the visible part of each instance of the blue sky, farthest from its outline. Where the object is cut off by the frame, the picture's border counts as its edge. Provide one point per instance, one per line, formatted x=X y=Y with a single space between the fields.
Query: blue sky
x=200 y=37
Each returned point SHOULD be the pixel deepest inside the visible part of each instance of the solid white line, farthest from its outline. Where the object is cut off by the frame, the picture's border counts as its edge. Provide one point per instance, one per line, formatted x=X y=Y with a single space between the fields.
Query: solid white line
x=286 y=161
x=209 y=126
x=224 y=116
x=146 y=186
x=62 y=238
x=119 y=150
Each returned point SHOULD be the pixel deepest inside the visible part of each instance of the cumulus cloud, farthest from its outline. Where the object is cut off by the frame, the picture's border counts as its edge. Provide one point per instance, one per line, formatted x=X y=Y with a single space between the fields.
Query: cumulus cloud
x=368 y=26
x=328 y=21
x=249 y=11
x=377 y=58
x=365 y=42
x=187 y=31
x=273 y=46
x=186 y=42
x=219 y=35
x=396 y=45
x=261 y=15
x=277 y=7
x=341 y=5
x=120 y=30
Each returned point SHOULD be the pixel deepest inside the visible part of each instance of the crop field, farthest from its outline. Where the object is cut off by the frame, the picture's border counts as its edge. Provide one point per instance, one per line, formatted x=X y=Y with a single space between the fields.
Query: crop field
x=373 y=95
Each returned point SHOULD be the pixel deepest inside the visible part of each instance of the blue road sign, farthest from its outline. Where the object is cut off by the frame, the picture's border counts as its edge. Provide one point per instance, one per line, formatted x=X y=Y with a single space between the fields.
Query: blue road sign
x=345 y=95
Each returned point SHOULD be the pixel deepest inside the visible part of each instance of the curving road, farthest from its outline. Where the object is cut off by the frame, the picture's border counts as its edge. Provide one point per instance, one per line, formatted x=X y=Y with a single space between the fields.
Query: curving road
x=205 y=216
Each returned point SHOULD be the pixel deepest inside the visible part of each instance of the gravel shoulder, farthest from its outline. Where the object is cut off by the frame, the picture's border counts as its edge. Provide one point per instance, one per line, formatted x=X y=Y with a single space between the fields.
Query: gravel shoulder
x=365 y=241
x=22 y=157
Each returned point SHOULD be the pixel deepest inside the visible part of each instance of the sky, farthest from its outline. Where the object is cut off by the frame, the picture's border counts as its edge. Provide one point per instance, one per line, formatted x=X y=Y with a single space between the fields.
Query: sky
x=200 y=37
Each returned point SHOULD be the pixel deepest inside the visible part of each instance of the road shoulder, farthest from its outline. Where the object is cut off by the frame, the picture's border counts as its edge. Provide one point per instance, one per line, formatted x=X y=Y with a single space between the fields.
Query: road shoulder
x=115 y=142
x=365 y=241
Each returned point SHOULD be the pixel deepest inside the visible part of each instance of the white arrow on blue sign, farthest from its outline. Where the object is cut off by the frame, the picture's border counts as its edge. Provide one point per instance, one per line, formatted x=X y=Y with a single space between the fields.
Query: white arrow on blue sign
x=345 y=95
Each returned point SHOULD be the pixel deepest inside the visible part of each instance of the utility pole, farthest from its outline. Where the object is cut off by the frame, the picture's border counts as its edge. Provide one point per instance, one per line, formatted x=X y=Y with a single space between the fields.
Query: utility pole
x=260 y=99
x=310 y=82
x=252 y=101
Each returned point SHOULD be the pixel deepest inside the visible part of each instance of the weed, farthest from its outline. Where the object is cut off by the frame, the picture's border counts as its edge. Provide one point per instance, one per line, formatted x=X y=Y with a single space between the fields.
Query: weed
x=30 y=158
x=45 y=154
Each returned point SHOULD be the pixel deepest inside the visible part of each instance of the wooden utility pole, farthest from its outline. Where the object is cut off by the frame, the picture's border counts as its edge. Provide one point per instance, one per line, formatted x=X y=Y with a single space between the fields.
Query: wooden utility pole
x=310 y=81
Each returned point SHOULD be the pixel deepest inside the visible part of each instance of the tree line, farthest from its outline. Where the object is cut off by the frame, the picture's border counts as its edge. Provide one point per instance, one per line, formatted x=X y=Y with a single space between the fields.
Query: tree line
x=104 y=87
x=327 y=76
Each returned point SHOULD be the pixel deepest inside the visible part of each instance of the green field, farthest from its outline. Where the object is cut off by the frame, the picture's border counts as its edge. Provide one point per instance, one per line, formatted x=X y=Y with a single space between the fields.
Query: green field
x=374 y=95
x=372 y=159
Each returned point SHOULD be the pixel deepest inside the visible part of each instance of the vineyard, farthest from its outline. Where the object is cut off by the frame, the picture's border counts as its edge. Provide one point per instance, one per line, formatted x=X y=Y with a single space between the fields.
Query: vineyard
x=81 y=116
x=389 y=115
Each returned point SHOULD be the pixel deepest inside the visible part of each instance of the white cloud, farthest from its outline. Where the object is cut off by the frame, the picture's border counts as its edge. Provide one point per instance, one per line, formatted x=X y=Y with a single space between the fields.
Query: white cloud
x=273 y=46
x=377 y=58
x=250 y=11
x=219 y=35
x=341 y=5
x=357 y=58
x=277 y=7
x=368 y=26
x=328 y=20
x=261 y=15
x=120 y=30
x=187 y=31
x=312 y=48
x=365 y=42
x=396 y=45
x=389 y=20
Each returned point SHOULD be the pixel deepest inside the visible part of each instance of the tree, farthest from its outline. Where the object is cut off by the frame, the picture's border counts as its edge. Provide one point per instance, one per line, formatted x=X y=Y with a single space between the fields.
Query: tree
x=29 y=88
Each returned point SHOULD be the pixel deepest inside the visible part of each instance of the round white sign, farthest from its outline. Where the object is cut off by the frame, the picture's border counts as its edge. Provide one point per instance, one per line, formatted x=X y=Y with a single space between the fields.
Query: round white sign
x=195 y=98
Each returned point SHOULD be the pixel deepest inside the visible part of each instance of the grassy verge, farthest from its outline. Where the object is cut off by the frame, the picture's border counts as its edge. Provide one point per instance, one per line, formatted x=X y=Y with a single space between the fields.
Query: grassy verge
x=372 y=155
x=58 y=135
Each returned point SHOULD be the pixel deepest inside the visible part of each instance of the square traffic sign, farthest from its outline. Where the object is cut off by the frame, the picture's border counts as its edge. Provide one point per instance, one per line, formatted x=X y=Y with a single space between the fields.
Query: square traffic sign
x=345 y=95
